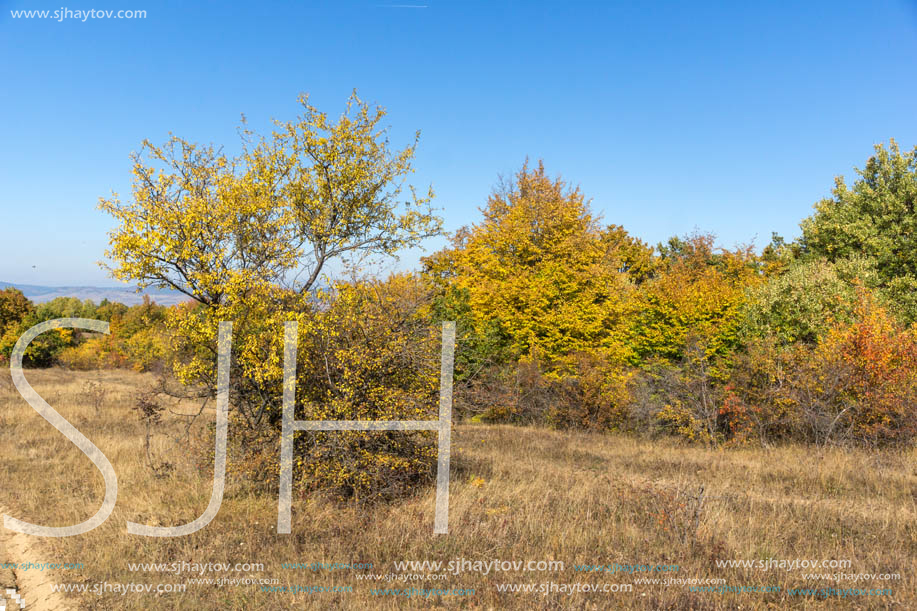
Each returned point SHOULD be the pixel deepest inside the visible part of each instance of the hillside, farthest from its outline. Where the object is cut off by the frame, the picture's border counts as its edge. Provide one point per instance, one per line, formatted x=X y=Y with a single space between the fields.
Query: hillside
x=122 y=294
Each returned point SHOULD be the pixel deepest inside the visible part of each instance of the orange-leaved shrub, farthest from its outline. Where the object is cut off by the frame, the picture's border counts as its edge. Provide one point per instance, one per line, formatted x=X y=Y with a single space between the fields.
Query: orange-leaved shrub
x=856 y=386
x=876 y=360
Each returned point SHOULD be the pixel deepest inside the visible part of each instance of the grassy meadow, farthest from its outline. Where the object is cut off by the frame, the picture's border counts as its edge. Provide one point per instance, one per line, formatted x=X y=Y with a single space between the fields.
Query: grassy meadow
x=517 y=494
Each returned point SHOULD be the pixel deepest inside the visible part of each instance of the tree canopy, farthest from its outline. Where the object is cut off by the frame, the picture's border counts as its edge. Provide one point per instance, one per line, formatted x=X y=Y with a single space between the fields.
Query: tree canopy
x=876 y=219
x=541 y=268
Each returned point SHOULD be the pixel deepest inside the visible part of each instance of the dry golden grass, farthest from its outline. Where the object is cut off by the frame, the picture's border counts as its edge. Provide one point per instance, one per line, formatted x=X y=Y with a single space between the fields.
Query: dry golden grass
x=516 y=494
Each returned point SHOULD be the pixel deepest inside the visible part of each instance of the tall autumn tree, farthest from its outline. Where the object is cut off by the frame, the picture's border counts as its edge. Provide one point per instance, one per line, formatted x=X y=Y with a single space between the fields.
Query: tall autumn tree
x=874 y=219
x=248 y=238
x=540 y=272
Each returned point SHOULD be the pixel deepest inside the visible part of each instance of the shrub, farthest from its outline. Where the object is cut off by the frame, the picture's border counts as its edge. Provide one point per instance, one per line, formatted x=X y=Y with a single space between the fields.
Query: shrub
x=855 y=387
x=681 y=399
x=758 y=406
x=366 y=352
x=582 y=391
x=592 y=392
x=514 y=392
x=44 y=350
x=137 y=339
x=875 y=361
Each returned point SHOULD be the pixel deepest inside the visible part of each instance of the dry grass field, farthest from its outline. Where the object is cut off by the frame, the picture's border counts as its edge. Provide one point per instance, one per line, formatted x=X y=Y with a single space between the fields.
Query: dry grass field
x=517 y=494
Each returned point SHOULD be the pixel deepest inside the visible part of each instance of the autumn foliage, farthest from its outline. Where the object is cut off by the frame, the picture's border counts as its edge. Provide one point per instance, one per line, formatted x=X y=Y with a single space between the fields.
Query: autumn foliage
x=563 y=320
x=568 y=322
x=250 y=239
x=366 y=351
x=540 y=271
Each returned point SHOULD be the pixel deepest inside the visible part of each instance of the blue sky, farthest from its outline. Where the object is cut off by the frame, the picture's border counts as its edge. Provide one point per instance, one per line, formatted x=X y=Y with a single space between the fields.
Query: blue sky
x=727 y=117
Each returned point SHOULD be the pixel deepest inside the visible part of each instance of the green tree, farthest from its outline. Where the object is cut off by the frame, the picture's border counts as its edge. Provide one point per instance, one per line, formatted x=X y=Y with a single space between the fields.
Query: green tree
x=875 y=218
x=18 y=315
x=798 y=305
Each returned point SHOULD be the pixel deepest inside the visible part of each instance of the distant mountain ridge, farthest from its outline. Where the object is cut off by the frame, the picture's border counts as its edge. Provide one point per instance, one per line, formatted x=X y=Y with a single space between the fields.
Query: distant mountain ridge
x=126 y=295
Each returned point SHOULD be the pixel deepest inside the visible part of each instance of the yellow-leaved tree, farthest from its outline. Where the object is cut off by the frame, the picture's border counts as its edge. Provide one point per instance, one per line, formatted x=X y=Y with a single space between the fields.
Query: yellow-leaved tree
x=540 y=279
x=248 y=238
x=540 y=265
x=695 y=296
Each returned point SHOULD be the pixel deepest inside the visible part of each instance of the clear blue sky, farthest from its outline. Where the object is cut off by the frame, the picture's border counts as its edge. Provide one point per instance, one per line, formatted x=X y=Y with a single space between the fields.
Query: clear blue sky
x=731 y=118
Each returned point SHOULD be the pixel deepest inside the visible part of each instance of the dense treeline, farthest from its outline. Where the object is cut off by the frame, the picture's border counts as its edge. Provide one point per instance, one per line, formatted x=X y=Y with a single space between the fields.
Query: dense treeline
x=572 y=323
x=136 y=338
x=563 y=320
x=569 y=322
